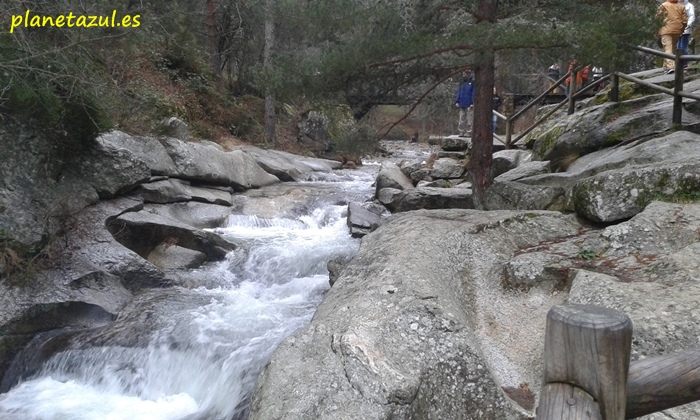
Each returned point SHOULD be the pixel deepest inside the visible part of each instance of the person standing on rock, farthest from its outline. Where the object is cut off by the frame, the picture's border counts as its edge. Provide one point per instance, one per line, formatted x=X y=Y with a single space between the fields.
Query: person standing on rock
x=465 y=102
x=495 y=104
x=685 y=37
x=675 y=19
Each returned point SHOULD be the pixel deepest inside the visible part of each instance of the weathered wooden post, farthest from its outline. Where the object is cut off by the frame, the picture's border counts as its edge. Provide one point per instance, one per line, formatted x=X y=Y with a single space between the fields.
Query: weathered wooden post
x=572 y=92
x=614 y=94
x=586 y=361
x=677 y=87
x=662 y=382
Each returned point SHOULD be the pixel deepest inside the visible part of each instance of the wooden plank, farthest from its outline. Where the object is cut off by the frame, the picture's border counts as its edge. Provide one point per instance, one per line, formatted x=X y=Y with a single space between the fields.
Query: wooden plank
x=658 y=383
x=566 y=402
x=589 y=347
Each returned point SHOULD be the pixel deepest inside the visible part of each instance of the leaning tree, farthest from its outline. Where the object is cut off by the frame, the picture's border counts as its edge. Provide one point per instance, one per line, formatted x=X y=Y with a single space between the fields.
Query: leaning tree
x=360 y=52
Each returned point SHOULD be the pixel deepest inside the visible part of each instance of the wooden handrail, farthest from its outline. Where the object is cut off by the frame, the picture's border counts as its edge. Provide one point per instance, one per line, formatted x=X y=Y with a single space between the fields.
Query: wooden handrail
x=677 y=93
x=663 y=382
x=588 y=374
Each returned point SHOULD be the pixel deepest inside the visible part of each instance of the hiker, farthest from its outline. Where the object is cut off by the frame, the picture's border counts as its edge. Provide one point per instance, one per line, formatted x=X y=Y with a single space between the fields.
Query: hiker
x=675 y=20
x=465 y=102
x=685 y=37
x=495 y=103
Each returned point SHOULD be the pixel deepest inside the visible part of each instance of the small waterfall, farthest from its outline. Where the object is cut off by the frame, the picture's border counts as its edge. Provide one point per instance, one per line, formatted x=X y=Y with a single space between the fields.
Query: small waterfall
x=202 y=347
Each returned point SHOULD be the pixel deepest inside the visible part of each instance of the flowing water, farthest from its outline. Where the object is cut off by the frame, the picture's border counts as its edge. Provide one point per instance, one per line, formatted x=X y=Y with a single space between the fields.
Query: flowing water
x=195 y=351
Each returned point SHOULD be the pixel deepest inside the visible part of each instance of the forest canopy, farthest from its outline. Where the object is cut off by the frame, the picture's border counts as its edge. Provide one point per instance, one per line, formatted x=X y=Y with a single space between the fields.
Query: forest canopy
x=206 y=61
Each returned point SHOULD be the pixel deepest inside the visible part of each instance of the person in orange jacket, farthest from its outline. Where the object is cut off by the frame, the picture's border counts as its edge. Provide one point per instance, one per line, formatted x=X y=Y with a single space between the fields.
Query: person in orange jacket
x=675 y=20
x=579 y=77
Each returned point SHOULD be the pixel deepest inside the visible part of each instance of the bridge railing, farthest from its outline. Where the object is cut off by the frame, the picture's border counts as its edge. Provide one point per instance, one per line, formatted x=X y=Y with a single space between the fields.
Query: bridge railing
x=588 y=374
x=677 y=92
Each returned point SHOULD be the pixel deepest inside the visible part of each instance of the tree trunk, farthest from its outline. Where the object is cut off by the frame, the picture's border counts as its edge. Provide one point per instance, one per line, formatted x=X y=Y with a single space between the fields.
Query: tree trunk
x=270 y=117
x=213 y=38
x=482 y=135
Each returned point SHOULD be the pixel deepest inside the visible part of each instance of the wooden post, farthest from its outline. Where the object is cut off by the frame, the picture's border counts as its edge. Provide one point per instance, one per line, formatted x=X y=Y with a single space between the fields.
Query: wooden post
x=587 y=348
x=509 y=131
x=614 y=94
x=564 y=401
x=572 y=92
x=677 y=87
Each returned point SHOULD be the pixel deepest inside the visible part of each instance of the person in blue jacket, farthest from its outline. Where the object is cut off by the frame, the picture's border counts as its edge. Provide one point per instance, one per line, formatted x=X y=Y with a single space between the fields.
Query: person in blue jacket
x=465 y=101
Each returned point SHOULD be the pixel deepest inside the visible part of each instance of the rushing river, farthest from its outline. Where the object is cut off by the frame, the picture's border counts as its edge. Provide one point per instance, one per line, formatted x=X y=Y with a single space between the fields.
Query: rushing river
x=194 y=351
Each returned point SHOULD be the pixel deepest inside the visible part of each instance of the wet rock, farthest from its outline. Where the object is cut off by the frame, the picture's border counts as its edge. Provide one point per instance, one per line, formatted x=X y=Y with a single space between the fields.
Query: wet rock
x=391 y=176
x=362 y=221
x=173 y=257
x=142 y=232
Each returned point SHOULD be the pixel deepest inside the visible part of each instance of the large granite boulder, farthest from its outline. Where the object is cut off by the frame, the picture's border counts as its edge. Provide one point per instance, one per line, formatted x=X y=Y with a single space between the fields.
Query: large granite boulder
x=626 y=162
x=289 y=167
x=174 y=190
x=142 y=232
x=441 y=314
x=447 y=168
x=391 y=176
x=415 y=326
x=620 y=194
x=109 y=170
x=603 y=126
x=524 y=170
x=505 y=160
x=206 y=163
x=147 y=149
x=507 y=195
x=426 y=198
x=362 y=220
x=195 y=214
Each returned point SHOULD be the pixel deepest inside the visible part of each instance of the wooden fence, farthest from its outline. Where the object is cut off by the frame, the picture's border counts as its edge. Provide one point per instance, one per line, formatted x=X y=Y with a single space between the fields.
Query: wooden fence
x=588 y=374
x=574 y=94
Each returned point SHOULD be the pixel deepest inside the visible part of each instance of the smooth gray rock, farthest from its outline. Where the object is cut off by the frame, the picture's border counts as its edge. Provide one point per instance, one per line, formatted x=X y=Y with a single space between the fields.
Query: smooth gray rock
x=175 y=257
x=206 y=163
x=289 y=167
x=525 y=170
x=426 y=198
x=174 y=127
x=109 y=170
x=362 y=221
x=142 y=232
x=147 y=149
x=447 y=168
x=164 y=191
x=505 y=160
x=403 y=331
x=198 y=215
x=391 y=176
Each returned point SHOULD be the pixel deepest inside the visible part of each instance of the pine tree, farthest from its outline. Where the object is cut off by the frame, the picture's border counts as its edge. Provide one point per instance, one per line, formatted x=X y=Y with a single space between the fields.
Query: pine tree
x=367 y=50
